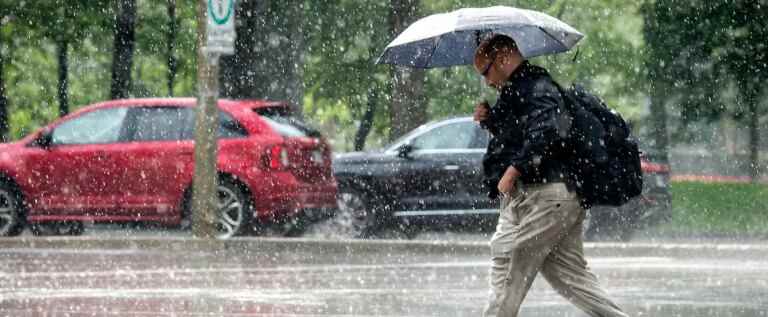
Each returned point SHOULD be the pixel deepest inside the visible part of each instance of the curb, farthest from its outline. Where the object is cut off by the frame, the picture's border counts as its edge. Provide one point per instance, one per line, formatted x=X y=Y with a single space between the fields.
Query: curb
x=716 y=179
x=267 y=245
x=308 y=246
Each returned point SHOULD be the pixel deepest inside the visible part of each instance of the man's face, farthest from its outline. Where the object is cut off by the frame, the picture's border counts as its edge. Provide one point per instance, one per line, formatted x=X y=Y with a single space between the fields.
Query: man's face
x=488 y=67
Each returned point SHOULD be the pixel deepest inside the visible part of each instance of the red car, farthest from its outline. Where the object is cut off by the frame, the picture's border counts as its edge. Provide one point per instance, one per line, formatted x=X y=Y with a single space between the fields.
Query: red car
x=133 y=160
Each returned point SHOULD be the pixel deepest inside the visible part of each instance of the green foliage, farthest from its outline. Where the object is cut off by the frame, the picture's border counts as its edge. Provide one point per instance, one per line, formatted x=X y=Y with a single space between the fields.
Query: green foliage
x=340 y=66
x=150 y=73
x=343 y=39
x=705 y=52
x=32 y=94
x=69 y=20
x=31 y=28
x=719 y=209
x=609 y=58
x=30 y=75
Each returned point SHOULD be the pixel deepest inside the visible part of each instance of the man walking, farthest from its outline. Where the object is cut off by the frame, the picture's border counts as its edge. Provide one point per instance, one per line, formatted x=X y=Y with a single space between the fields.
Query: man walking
x=539 y=228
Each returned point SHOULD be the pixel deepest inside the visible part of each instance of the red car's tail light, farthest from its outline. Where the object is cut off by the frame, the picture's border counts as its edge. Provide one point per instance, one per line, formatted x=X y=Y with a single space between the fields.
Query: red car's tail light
x=654 y=167
x=277 y=158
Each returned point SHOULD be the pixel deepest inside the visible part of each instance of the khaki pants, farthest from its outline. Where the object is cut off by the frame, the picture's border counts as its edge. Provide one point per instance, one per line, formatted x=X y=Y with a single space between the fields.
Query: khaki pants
x=539 y=230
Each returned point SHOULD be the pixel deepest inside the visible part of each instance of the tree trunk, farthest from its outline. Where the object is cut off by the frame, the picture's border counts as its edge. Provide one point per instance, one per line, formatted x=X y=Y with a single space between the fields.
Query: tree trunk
x=367 y=121
x=754 y=134
x=172 y=34
x=62 y=51
x=3 y=100
x=204 y=197
x=122 y=58
x=658 y=118
x=372 y=100
x=268 y=52
x=408 y=109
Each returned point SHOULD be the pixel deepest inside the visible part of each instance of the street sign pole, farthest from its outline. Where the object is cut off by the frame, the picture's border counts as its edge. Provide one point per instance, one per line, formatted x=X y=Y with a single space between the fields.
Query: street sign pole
x=215 y=36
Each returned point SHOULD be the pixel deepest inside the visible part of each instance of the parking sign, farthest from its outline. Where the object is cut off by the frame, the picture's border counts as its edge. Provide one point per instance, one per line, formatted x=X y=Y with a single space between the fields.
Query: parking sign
x=221 y=26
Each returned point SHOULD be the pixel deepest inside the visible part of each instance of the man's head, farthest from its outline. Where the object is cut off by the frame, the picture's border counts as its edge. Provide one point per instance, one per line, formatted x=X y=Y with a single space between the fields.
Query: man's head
x=496 y=59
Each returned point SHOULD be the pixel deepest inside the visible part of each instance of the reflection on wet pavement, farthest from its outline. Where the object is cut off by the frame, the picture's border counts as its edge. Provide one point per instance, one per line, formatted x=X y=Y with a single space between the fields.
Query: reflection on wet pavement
x=325 y=282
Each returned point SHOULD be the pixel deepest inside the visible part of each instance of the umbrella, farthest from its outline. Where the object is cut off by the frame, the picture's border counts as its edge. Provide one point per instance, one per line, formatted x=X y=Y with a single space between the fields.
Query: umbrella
x=449 y=39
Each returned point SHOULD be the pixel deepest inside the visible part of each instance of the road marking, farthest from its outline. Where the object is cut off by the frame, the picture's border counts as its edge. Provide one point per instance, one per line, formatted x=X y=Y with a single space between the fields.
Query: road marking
x=413 y=213
x=636 y=263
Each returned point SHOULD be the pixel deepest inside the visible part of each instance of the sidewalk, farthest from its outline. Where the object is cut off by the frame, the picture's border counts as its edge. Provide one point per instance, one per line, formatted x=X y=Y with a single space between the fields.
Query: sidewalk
x=302 y=245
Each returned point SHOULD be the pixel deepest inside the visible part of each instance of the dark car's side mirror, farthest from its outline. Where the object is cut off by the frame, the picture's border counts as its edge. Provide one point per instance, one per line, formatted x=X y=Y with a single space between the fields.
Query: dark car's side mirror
x=405 y=150
x=44 y=140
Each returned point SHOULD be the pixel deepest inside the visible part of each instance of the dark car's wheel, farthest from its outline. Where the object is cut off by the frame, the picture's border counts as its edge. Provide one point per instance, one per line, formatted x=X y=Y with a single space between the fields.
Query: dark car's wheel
x=11 y=213
x=354 y=217
x=58 y=228
x=608 y=223
x=587 y=226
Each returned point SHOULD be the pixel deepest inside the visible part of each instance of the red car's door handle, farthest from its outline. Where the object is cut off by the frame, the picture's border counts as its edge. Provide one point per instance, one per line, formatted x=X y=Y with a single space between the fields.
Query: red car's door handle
x=101 y=156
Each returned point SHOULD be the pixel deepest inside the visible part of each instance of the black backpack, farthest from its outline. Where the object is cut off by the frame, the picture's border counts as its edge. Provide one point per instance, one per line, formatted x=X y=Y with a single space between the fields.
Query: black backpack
x=606 y=169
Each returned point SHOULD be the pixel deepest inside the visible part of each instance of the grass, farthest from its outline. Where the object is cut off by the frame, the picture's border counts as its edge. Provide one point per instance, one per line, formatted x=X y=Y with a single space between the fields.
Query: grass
x=718 y=209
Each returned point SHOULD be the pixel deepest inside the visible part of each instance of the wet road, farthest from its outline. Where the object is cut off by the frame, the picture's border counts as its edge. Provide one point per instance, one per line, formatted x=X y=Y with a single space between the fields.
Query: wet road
x=291 y=277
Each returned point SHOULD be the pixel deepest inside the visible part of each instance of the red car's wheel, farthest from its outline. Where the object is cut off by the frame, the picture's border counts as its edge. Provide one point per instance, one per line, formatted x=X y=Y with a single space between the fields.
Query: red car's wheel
x=11 y=213
x=234 y=212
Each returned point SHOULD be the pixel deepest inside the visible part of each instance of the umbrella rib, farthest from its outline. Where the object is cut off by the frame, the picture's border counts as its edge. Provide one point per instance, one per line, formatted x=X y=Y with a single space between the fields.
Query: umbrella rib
x=553 y=37
x=434 y=49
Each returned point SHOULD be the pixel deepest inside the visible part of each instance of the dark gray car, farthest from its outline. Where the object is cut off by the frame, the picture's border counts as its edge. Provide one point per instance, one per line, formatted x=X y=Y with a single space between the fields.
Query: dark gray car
x=432 y=176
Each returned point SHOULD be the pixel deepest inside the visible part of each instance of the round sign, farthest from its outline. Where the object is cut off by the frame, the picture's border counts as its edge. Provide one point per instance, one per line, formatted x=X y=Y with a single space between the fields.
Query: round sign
x=221 y=10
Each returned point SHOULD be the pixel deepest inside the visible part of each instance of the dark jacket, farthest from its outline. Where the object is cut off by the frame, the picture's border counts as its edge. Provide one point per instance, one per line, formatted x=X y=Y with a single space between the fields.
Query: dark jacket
x=527 y=130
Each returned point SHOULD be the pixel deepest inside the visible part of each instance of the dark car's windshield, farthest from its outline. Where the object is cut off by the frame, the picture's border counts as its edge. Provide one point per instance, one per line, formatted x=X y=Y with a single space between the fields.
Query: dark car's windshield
x=457 y=134
x=399 y=141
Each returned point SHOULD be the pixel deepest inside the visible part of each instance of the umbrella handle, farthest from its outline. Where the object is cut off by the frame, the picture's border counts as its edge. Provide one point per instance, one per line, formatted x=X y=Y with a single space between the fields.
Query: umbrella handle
x=576 y=56
x=483 y=124
x=481 y=81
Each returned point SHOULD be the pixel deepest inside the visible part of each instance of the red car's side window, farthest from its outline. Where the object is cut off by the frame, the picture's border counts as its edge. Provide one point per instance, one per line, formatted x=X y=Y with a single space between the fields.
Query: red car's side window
x=95 y=127
x=229 y=127
x=157 y=123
